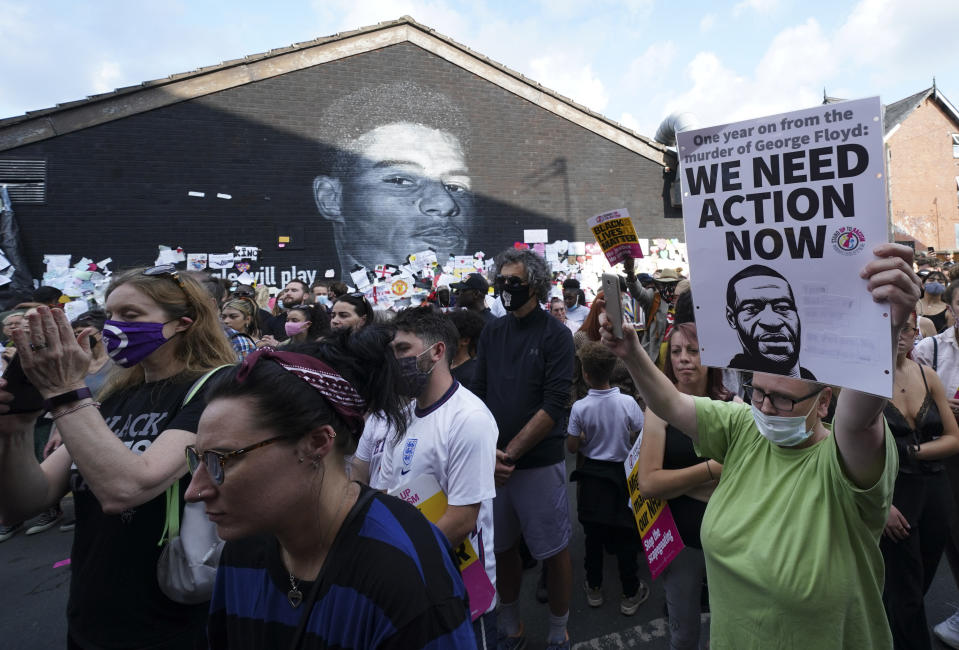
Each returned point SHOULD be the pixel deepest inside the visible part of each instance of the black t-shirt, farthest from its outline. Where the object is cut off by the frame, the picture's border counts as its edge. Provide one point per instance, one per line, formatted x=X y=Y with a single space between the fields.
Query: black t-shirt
x=465 y=373
x=115 y=601
x=687 y=511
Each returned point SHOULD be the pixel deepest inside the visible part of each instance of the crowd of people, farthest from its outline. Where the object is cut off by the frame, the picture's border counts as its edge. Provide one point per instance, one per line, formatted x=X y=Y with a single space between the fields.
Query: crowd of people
x=301 y=424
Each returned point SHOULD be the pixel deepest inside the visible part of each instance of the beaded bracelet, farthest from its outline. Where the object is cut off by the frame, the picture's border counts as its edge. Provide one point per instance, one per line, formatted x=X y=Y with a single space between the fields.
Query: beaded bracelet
x=76 y=408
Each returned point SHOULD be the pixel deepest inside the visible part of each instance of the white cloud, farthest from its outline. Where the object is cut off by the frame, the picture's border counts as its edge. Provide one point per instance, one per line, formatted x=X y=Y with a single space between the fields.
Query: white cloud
x=893 y=42
x=568 y=76
x=105 y=77
x=651 y=68
x=707 y=22
x=630 y=122
x=759 y=6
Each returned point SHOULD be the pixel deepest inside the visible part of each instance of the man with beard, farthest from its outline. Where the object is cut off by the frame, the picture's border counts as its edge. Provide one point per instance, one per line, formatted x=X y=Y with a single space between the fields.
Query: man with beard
x=761 y=308
x=397 y=181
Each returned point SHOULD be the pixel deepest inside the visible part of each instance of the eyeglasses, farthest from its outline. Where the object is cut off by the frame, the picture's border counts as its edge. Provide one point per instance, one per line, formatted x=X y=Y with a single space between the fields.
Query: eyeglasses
x=780 y=402
x=216 y=461
x=169 y=271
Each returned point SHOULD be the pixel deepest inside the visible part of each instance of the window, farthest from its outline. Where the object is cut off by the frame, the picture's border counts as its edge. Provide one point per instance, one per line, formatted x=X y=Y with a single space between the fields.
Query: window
x=955 y=145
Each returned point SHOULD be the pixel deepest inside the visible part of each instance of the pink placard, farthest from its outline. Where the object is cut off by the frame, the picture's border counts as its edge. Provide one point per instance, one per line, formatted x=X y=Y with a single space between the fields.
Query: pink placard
x=662 y=542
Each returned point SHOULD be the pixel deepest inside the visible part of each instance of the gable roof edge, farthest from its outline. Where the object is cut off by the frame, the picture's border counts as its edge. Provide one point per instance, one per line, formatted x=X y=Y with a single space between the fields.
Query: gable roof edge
x=125 y=102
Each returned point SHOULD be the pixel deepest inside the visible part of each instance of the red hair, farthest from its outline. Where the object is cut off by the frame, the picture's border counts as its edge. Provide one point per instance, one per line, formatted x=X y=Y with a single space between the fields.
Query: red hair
x=591 y=322
x=714 y=376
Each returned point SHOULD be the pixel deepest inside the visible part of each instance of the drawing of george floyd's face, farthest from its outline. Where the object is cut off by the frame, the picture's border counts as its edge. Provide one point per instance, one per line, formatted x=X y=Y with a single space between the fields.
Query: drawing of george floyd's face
x=764 y=316
x=408 y=190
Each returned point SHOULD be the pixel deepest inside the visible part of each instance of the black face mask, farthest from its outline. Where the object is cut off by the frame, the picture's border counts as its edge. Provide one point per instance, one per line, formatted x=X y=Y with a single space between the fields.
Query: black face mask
x=514 y=293
x=667 y=290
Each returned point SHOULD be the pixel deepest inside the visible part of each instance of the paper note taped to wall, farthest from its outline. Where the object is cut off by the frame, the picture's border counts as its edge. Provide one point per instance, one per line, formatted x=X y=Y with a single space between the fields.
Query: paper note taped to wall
x=615 y=234
x=220 y=260
x=535 y=236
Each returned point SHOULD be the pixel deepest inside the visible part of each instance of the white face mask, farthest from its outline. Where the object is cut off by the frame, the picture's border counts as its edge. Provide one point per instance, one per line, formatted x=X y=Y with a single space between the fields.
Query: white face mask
x=782 y=430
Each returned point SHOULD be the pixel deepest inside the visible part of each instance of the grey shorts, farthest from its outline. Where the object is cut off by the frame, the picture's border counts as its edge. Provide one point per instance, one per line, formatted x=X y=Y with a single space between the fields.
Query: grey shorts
x=533 y=503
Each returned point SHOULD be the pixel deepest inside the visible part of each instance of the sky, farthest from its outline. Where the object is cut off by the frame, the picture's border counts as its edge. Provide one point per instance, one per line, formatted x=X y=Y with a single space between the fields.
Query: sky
x=634 y=61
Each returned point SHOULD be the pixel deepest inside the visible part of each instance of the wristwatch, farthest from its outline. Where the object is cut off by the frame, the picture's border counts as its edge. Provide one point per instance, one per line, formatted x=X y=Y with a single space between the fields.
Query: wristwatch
x=67 y=398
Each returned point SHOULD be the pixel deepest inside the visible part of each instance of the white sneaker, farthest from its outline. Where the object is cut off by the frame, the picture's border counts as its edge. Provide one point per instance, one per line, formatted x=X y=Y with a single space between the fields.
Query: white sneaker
x=594 y=595
x=45 y=521
x=948 y=631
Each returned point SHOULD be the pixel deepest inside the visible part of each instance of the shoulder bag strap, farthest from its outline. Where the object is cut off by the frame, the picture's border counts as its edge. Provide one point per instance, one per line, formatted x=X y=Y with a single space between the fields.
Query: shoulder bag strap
x=171 y=527
x=935 y=353
x=361 y=502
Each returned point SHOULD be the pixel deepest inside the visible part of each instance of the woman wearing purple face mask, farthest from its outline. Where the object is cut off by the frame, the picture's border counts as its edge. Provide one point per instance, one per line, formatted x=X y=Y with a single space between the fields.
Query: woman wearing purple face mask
x=119 y=457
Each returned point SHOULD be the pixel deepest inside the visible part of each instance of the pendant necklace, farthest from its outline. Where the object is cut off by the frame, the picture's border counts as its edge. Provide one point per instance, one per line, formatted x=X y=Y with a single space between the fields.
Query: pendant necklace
x=294 y=595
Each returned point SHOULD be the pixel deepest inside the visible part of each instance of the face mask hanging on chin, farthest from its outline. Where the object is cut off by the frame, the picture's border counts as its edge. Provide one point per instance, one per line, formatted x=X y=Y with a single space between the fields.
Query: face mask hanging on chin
x=782 y=430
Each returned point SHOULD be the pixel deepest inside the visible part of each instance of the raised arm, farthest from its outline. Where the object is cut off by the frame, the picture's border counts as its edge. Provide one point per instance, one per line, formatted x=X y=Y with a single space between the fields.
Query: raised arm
x=56 y=362
x=859 y=427
x=657 y=391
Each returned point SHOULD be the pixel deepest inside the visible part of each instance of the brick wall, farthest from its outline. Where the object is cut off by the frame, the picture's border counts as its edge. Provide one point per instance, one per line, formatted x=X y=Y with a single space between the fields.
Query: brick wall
x=922 y=176
x=119 y=189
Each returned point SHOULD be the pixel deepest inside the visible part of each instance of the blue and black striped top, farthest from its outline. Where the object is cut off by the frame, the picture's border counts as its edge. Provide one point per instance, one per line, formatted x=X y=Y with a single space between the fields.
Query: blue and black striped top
x=390 y=581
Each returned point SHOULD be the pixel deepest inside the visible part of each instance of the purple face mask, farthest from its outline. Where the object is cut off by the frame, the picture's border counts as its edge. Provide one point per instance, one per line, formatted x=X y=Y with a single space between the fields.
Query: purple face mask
x=129 y=343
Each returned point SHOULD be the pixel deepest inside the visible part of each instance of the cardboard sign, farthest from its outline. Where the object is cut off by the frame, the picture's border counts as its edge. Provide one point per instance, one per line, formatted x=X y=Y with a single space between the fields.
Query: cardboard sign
x=615 y=234
x=781 y=215
x=657 y=528
x=424 y=492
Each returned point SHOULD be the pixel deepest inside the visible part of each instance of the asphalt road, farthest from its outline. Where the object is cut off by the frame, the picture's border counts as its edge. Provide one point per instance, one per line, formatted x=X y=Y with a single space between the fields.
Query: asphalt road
x=33 y=599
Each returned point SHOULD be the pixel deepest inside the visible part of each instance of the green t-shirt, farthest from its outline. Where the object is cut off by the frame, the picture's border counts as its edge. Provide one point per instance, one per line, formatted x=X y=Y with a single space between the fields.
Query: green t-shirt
x=791 y=544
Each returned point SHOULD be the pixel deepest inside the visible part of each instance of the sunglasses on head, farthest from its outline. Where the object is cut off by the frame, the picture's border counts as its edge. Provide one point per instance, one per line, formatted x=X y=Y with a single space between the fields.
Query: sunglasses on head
x=166 y=271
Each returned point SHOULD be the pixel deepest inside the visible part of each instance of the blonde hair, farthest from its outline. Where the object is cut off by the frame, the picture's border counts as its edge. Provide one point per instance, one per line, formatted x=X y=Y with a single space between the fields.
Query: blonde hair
x=247 y=307
x=199 y=348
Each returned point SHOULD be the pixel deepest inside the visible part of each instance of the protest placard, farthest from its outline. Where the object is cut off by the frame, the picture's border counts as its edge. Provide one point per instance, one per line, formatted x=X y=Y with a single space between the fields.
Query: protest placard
x=781 y=215
x=615 y=234
x=657 y=528
x=425 y=493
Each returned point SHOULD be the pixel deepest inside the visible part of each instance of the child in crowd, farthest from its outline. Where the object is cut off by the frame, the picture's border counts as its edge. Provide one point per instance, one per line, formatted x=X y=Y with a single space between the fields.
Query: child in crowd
x=602 y=427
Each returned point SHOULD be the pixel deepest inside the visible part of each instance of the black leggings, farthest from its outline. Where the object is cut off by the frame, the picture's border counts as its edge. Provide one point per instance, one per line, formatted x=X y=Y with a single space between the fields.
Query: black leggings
x=925 y=500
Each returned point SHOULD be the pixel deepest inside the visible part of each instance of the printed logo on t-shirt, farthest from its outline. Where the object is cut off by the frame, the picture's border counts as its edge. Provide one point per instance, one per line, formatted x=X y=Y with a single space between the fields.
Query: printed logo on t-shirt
x=408 y=452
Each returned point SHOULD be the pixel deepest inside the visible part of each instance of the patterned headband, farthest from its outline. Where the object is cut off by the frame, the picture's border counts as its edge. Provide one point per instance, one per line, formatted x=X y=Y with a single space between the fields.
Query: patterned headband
x=328 y=382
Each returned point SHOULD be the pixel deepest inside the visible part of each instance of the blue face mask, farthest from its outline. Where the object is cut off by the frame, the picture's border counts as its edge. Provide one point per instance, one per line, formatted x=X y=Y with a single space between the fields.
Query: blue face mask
x=323 y=300
x=935 y=288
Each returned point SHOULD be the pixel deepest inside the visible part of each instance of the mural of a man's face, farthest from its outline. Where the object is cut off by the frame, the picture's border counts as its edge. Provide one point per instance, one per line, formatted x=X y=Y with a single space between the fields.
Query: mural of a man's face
x=409 y=191
x=764 y=316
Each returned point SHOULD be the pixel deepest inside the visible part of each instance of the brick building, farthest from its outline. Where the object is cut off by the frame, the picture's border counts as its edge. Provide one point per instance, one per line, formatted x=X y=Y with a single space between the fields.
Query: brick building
x=243 y=153
x=922 y=138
